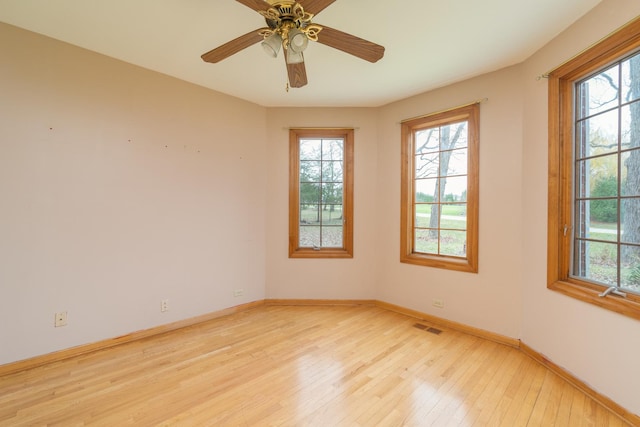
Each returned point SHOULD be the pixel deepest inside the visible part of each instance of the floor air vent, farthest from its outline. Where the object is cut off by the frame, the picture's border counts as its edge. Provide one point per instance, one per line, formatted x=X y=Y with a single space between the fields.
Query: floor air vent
x=427 y=328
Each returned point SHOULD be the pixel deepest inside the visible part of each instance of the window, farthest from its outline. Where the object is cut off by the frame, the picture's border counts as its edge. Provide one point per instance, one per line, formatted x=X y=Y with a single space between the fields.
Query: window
x=439 y=193
x=321 y=193
x=594 y=174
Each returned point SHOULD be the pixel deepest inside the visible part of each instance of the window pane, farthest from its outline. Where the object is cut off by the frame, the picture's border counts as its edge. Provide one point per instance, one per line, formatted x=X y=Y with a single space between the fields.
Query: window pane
x=427 y=165
x=426 y=241
x=426 y=190
x=598 y=93
x=332 y=193
x=424 y=213
x=321 y=193
x=453 y=136
x=309 y=193
x=453 y=243
x=309 y=236
x=597 y=135
x=310 y=149
x=309 y=214
x=597 y=219
x=454 y=216
x=630 y=274
x=454 y=189
x=332 y=149
x=332 y=171
x=597 y=177
x=449 y=164
x=630 y=76
x=596 y=261
x=310 y=171
x=331 y=237
x=332 y=214
x=454 y=162
x=427 y=141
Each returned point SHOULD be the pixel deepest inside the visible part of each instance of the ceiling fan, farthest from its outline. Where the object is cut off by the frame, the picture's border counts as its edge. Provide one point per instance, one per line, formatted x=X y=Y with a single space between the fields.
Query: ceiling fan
x=289 y=27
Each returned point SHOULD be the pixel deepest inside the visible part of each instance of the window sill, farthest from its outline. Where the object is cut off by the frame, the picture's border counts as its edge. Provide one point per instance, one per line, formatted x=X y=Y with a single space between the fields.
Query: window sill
x=320 y=253
x=629 y=306
x=449 y=263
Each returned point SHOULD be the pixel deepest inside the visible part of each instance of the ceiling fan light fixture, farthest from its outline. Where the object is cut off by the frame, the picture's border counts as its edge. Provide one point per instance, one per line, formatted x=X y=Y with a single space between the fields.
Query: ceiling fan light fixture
x=294 y=57
x=298 y=40
x=272 y=44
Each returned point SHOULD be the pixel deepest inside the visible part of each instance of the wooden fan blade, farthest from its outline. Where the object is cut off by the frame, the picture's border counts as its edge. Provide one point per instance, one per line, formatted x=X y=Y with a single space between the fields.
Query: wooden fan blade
x=234 y=46
x=297 y=74
x=256 y=5
x=315 y=6
x=350 y=44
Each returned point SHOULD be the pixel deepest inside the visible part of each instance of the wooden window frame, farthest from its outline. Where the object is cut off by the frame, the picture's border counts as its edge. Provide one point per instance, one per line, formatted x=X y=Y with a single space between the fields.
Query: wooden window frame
x=408 y=255
x=294 y=193
x=560 y=184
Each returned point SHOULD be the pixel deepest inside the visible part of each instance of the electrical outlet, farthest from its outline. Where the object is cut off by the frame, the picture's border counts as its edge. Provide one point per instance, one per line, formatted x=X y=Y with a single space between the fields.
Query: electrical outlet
x=164 y=305
x=438 y=303
x=60 y=319
x=238 y=293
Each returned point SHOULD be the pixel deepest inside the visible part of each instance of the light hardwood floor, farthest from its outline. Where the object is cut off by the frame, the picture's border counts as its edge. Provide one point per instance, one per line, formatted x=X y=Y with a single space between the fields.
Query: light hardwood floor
x=300 y=366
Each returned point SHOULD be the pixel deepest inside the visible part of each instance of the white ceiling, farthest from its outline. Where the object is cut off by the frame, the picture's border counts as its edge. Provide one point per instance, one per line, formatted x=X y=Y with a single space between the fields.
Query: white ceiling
x=428 y=43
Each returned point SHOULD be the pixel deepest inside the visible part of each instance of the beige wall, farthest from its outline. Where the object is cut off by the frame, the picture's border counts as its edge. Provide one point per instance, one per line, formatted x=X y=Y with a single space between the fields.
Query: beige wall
x=196 y=206
x=119 y=187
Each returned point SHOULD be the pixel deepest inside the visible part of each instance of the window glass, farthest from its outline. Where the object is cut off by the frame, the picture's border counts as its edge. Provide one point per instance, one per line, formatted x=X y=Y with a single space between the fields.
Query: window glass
x=606 y=207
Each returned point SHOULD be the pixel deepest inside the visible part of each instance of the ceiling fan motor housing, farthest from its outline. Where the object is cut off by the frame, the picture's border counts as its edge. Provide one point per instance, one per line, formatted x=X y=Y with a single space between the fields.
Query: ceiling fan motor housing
x=285 y=15
x=285 y=9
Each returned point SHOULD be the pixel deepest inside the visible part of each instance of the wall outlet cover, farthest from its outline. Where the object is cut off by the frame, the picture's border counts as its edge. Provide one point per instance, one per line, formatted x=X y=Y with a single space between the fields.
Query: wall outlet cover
x=60 y=319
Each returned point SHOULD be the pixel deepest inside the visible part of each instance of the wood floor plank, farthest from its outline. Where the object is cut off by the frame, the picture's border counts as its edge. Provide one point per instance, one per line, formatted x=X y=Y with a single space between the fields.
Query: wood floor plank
x=315 y=366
